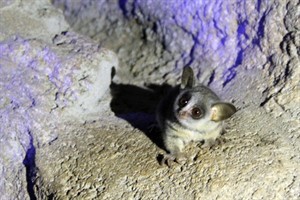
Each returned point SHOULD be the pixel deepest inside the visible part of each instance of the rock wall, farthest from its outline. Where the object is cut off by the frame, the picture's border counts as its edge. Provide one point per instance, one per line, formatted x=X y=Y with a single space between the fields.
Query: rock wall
x=47 y=74
x=64 y=136
x=220 y=40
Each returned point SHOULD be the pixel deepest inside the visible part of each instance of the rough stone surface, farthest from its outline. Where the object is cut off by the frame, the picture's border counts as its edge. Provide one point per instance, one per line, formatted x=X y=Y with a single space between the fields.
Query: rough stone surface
x=88 y=144
x=31 y=19
x=42 y=84
x=121 y=163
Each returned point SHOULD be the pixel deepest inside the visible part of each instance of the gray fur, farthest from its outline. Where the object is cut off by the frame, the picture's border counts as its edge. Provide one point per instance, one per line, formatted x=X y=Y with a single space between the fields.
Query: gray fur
x=177 y=125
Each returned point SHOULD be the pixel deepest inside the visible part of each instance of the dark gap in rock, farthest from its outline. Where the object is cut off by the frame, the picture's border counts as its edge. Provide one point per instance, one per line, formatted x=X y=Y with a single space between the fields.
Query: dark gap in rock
x=122 y=5
x=260 y=31
x=239 y=59
x=134 y=7
x=165 y=75
x=192 y=52
x=138 y=105
x=155 y=28
x=255 y=41
x=211 y=78
x=29 y=163
x=230 y=76
x=261 y=26
x=258 y=5
x=241 y=30
x=265 y=101
x=223 y=40
x=232 y=72
x=286 y=43
x=276 y=80
x=198 y=74
x=154 y=70
x=287 y=71
x=129 y=8
x=51 y=196
x=223 y=33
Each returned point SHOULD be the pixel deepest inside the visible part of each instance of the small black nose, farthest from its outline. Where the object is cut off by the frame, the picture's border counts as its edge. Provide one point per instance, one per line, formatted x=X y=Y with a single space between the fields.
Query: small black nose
x=183 y=114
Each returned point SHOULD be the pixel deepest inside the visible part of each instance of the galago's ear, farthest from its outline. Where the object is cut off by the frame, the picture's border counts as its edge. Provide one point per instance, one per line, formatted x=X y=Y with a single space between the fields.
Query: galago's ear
x=221 y=111
x=187 y=78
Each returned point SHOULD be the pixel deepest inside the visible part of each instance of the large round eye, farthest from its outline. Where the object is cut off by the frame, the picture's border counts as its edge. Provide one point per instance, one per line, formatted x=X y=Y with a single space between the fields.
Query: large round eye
x=196 y=113
x=184 y=100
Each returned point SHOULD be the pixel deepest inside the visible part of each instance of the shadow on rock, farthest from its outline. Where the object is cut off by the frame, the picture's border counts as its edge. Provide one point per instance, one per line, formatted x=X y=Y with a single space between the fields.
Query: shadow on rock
x=137 y=105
